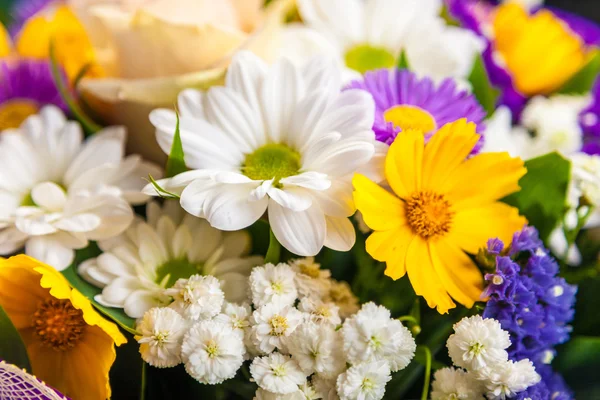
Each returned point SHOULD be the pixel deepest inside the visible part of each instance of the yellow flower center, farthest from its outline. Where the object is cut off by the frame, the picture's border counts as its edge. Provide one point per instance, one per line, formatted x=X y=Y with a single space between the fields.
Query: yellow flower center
x=364 y=57
x=428 y=214
x=212 y=349
x=323 y=311
x=410 y=117
x=278 y=325
x=58 y=324
x=14 y=112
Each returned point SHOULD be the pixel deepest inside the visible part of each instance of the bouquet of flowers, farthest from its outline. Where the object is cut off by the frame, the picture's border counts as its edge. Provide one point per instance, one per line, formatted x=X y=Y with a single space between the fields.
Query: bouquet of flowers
x=298 y=200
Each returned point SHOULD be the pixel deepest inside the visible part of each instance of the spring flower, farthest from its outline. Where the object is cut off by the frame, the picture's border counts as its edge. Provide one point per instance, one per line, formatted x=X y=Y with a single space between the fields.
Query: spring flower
x=452 y=383
x=364 y=381
x=273 y=283
x=341 y=295
x=277 y=373
x=211 y=352
x=404 y=101
x=161 y=332
x=237 y=316
x=508 y=378
x=311 y=280
x=136 y=267
x=256 y=146
x=273 y=323
x=197 y=297
x=60 y=329
x=478 y=343
x=317 y=349
x=436 y=213
x=25 y=86
x=371 y=334
x=59 y=191
x=321 y=312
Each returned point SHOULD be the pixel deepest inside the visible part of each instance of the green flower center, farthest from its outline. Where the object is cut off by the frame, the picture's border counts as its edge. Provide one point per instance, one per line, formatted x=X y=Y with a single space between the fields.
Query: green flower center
x=476 y=348
x=212 y=349
x=168 y=273
x=271 y=161
x=364 y=57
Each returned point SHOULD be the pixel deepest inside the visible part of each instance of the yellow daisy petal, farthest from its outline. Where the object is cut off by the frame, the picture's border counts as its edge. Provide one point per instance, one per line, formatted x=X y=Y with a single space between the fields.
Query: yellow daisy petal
x=403 y=163
x=390 y=247
x=380 y=209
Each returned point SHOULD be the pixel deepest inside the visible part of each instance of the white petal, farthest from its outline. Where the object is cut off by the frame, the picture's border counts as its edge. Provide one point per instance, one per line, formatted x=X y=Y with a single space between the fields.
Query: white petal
x=236 y=244
x=79 y=223
x=341 y=19
x=182 y=242
x=35 y=225
x=202 y=232
x=352 y=114
x=11 y=240
x=189 y=103
x=139 y=302
x=120 y=289
x=235 y=286
x=152 y=249
x=340 y=234
x=51 y=251
x=48 y=195
x=337 y=201
x=341 y=158
x=375 y=168
x=262 y=190
x=302 y=233
x=309 y=180
x=245 y=75
x=294 y=198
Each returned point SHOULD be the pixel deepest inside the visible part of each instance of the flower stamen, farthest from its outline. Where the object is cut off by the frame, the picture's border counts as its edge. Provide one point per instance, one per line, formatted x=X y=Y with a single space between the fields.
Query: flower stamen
x=428 y=214
x=58 y=324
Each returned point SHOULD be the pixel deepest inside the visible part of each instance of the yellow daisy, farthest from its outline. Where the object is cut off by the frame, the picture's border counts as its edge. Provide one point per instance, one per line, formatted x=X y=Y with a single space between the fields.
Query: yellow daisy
x=540 y=51
x=443 y=206
x=70 y=346
x=5 y=43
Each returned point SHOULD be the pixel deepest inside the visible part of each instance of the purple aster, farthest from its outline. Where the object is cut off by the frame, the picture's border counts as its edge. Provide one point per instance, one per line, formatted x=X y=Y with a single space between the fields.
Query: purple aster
x=25 y=86
x=22 y=10
x=404 y=101
x=589 y=119
x=535 y=305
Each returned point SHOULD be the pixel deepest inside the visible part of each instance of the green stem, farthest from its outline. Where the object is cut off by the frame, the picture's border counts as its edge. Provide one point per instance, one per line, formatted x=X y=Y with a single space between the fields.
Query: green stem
x=274 y=250
x=427 y=373
x=408 y=318
x=143 y=383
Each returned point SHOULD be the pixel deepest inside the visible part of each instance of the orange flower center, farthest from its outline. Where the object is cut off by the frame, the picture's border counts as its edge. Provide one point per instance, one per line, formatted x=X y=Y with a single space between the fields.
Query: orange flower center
x=58 y=324
x=14 y=112
x=428 y=214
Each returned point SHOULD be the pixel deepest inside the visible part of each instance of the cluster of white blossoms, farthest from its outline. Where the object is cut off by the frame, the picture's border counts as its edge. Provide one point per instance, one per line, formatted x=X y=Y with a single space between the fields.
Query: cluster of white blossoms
x=297 y=341
x=478 y=348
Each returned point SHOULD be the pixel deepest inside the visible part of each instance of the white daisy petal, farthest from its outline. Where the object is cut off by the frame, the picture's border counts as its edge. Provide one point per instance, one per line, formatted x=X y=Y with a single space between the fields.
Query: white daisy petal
x=340 y=234
x=49 y=196
x=303 y=233
x=294 y=198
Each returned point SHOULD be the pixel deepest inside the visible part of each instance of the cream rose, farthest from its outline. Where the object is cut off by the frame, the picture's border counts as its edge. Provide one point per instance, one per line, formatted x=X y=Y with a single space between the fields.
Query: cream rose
x=152 y=49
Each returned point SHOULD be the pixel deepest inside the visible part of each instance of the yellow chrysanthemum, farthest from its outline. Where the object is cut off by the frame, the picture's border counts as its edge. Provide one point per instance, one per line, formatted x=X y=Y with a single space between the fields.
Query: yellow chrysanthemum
x=72 y=46
x=443 y=206
x=540 y=51
x=5 y=43
x=70 y=346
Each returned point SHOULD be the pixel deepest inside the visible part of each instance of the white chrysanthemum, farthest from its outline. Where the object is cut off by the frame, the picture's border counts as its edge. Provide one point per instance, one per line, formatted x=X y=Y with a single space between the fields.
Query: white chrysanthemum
x=311 y=280
x=237 y=316
x=321 y=312
x=161 y=332
x=273 y=283
x=262 y=394
x=341 y=294
x=477 y=343
x=136 y=267
x=280 y=139
x=58 y=192
x=317 y=349
x=212 y=352
x=325 y=387
x=455 y=384
x=273 y=323
x=372 y=335
x=197 y=298
x=506 y=379
x=364 y=381
x=371 y=34
x=277 y=373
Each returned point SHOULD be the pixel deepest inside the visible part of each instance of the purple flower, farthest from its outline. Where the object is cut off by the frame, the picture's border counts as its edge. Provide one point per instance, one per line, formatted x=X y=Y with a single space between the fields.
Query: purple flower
x=404 y=101
x=15 y=383
x=25 y=86
x=589 y=120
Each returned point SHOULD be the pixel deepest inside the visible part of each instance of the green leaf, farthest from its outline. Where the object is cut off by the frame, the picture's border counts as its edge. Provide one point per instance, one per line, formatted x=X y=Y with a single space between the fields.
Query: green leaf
x=176 y=160
x=483 y=90
x=12 y=348
x=583 y=81
x=403 y=61
x=89 y=291
x=579 y=362
x=161 y=192
x=543 y=195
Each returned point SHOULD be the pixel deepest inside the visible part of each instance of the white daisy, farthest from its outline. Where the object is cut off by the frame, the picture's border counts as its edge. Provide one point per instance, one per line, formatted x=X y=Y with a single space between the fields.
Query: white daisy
x=277 y=373
x=371 y=34
x=197 y=298
x=212 y=352
x=477 y=343
x=455 y=384
x=317 y=349
x=364 y=381
x=321 y=312
x=282 y=140
x=273 y=283
x=136 y=267
x=311 y=280
x=58 y=192
x=161 y=332
x=506 y=379
x=273 y=323
x=372 y=335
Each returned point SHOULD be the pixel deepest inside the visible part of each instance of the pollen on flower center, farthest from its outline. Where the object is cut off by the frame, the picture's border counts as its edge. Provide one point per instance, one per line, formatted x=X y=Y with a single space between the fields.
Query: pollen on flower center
x=279 y=325
x=14 y=112
x=367 y=384
x=476 y=348
x=212 y=349
x=271 y=161
x=58 y=324
x=405 y=117
x=428 y=214
x=364 y=57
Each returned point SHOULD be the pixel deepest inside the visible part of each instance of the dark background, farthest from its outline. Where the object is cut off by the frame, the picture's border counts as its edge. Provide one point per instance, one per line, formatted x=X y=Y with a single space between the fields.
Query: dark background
x=587 y=8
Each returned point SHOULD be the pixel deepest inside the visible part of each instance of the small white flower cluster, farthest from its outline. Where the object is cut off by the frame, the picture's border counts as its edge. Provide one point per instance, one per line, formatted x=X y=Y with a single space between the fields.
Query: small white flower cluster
x=304 y=336
x=479 y=346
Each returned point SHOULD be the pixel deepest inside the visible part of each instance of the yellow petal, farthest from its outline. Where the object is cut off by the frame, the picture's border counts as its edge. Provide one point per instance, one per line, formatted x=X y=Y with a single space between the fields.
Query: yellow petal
x=5 y=43
x=381 y=210
x=403 y=163
x=471 y=228
x=446 y=150
x=390 y=247
x=459 y=275
x=13 y=283
x=423 y=277
x=482 y=179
